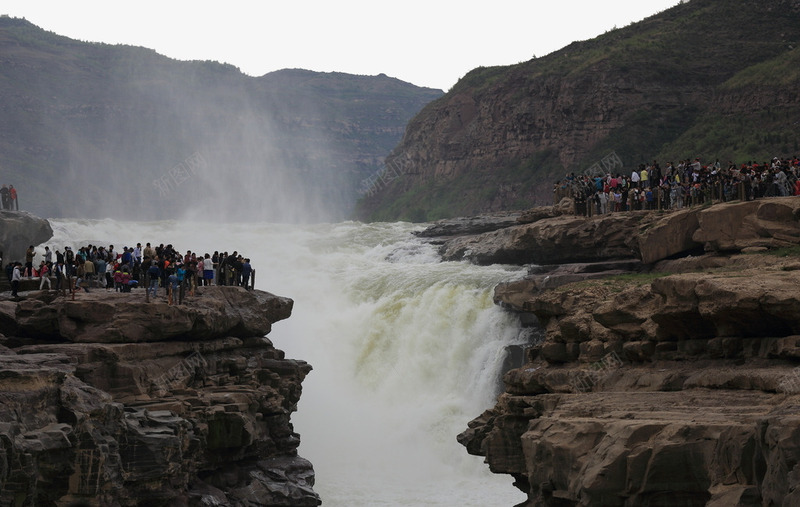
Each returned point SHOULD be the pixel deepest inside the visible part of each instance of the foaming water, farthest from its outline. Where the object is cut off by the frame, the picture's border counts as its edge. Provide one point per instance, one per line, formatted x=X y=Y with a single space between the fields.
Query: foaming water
x=405 y=349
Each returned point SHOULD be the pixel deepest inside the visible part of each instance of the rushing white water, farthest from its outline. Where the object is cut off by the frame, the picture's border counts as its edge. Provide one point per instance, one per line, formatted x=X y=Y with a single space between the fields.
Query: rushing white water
x=406 y=350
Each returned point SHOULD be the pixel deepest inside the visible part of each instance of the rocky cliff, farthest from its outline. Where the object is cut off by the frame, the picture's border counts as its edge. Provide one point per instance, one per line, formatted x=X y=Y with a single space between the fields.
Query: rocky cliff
x=548 y=236
x=117 y=402
x=675 y=385
x=685 y=82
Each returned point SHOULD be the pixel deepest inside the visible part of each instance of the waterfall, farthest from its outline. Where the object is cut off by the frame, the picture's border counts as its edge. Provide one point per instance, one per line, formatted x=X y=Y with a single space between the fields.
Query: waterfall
x=406 y=350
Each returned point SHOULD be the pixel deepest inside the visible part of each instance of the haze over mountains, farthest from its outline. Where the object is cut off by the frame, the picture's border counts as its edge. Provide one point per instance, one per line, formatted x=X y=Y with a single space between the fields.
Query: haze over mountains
x=96 y=130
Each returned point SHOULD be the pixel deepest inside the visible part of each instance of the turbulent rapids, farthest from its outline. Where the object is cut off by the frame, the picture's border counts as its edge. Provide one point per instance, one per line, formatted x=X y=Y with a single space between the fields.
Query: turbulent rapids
x=406 y=349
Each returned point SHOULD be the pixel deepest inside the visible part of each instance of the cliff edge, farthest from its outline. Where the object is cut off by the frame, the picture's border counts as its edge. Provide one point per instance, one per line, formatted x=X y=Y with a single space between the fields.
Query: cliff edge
x=108 y=400
x=675 y=385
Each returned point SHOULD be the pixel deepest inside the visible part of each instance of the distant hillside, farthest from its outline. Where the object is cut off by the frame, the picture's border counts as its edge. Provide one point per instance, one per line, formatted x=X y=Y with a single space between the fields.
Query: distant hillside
x=707 y=78
x=97 y=130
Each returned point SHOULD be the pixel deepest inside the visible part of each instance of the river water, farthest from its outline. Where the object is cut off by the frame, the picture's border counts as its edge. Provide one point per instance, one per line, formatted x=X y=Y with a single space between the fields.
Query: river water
x=406 y=350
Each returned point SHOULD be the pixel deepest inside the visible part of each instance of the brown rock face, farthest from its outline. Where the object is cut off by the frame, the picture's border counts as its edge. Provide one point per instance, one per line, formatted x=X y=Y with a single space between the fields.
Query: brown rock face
x=677 y=391
x=736 y=226
x=117 y=318
x=648 y=236
x=560 y=239
x=130 y=403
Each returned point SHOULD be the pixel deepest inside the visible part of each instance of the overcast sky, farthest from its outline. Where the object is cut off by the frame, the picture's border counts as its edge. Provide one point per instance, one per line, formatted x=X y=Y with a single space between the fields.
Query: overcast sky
x=425 y=42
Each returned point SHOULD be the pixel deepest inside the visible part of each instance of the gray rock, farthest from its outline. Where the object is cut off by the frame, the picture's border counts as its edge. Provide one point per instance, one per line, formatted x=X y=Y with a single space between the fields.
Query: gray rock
x=19 y=230
x=470 y=225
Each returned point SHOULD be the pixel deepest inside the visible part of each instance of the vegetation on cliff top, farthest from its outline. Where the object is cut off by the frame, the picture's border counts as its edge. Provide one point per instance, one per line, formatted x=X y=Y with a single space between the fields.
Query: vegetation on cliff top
x=707 y=78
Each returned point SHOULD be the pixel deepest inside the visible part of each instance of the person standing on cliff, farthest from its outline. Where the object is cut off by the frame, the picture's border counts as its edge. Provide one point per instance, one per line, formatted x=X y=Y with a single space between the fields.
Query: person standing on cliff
x=247 y=271
x=16 y=276
x=58 y=272
x=44 y=275
x=69 y=261
x=12 y=193
x=100 y=267
x=5 y=198
x=208 y=269
x=154 y=276
x=172 y=286
x=89 y=272
x=80 y=274
x=137 y=254
x=149 y=252
x=635 y=177
x=29 y=254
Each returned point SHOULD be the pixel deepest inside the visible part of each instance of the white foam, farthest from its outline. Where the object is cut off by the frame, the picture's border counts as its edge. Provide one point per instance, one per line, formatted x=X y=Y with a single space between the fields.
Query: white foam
x=405 y=349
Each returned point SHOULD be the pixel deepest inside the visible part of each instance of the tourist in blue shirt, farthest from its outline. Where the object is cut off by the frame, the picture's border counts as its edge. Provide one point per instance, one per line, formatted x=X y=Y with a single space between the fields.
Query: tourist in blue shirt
x=154 y=273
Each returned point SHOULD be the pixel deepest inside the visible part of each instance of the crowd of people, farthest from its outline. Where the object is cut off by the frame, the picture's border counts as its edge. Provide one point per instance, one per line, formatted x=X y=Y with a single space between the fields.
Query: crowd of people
x=686 y=184
x=8 y=198
x=161 y=267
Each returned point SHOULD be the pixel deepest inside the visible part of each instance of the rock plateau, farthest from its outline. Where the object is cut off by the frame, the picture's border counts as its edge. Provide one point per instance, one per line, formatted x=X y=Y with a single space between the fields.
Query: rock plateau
x=679 y=385
x=112 y=401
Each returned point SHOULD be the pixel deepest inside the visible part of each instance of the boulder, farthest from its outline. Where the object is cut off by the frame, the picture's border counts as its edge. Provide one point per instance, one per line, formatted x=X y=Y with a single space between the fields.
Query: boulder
x=771 y=223
x=669 y=235
x=535 y=214
x=19 y=230
x=559 y=240
x=469 y=225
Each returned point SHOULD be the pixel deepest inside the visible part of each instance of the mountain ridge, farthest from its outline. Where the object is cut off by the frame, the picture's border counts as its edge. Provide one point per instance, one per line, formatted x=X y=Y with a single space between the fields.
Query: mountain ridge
x=500 y=137
x=86 y=119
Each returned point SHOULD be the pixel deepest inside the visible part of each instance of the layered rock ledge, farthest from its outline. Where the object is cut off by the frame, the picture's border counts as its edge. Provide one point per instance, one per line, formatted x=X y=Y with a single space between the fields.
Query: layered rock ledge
x=549 y=236
x=113 y=401
x=668 y=367
x=656 y=390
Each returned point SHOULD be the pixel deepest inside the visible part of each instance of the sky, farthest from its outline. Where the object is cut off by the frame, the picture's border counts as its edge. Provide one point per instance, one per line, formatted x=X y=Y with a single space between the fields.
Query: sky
x=429 y=43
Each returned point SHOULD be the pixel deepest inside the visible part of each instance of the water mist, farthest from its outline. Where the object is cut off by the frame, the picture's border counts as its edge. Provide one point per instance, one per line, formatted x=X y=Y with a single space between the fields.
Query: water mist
x=406 y=350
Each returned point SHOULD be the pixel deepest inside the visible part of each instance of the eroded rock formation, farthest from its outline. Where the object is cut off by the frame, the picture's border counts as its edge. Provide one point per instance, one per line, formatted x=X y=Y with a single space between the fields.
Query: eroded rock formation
x=116 y=402
x=679 y=391
x=546 y=236
x=658 y=389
